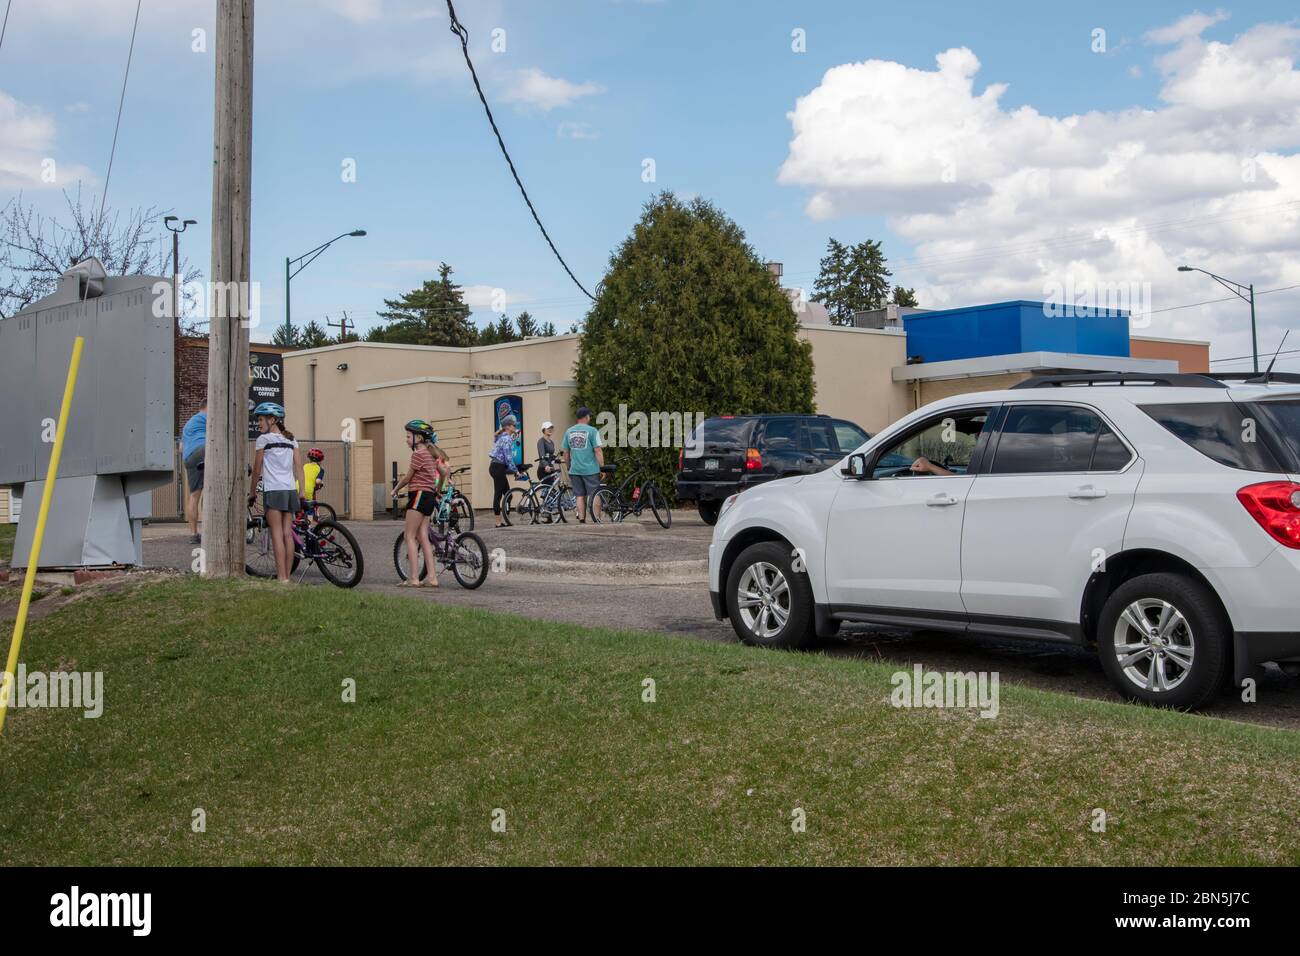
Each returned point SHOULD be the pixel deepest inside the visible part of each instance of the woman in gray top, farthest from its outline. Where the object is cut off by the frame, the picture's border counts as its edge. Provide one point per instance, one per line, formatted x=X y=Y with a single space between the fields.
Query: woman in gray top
x=546 y=451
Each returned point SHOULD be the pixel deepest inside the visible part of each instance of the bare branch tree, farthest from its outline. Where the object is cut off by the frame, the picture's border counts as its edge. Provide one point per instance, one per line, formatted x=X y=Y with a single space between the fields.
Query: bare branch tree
x=35 y=249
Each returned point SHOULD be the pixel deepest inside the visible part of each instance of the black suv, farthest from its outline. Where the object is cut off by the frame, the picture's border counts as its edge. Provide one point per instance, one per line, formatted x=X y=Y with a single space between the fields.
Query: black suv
x=730 y=453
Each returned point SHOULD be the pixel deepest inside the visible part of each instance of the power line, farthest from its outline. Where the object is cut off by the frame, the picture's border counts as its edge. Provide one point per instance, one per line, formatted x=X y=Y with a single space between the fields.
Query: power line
x=4 y=26
x=458 y=28
x=121 y=99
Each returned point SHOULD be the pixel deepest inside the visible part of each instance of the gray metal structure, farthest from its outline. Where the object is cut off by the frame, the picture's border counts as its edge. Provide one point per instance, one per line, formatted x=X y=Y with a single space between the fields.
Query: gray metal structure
x=119 y=441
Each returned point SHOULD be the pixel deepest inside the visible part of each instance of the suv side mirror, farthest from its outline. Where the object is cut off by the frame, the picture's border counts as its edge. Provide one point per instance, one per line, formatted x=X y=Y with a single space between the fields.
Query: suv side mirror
x=856 y=467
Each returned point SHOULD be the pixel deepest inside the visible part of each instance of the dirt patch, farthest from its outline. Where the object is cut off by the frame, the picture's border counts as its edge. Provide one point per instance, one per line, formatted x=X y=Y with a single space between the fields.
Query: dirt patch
x=48 y=598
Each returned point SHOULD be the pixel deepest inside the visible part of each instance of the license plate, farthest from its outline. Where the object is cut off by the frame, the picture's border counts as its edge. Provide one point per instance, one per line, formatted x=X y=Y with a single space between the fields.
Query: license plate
x=710 y=464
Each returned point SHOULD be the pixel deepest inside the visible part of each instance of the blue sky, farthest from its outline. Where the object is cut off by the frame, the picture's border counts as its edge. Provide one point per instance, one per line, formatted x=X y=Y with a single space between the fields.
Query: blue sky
x=586 y=90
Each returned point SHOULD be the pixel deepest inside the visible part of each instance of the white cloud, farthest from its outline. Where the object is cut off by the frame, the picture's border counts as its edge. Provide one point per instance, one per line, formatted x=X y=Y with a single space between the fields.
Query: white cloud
x=574 y=130
x=27 y=138
x=999 y=202
x=492 y=297
x=1185 y=28
x=534 y=88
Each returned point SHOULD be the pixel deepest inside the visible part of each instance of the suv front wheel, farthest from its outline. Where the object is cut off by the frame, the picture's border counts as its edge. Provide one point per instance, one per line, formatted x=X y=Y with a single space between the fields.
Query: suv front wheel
x=709 y=511
x=1163 y=640
x=770 y=605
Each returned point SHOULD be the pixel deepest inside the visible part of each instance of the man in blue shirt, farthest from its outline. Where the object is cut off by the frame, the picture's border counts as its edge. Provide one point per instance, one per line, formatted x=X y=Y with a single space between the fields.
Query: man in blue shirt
x=194 y=440
x=583 y=456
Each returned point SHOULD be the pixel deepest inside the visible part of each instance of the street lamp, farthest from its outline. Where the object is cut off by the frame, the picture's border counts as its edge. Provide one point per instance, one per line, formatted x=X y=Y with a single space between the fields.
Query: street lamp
x=290 y=272
x=1248 y=296
x=176 y=262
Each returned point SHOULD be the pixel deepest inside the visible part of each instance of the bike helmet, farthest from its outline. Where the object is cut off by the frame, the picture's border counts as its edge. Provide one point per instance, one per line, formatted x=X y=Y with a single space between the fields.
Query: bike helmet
x=316 y=455
x=420 y=427
x=270 y=409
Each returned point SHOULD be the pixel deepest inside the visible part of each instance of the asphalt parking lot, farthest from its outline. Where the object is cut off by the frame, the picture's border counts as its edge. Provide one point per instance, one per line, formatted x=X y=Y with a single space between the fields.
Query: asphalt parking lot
x=638 y=575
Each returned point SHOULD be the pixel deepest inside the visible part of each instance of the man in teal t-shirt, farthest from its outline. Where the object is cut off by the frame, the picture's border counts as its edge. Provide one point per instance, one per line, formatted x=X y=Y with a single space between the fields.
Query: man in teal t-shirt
x=583 y=457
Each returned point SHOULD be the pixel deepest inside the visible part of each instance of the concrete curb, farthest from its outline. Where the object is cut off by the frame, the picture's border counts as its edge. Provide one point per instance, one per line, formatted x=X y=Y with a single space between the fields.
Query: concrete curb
x=649 y=571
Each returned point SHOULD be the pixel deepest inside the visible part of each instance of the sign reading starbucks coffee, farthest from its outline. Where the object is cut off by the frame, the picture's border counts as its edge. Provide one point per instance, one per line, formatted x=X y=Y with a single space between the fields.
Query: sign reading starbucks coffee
x=265 y=383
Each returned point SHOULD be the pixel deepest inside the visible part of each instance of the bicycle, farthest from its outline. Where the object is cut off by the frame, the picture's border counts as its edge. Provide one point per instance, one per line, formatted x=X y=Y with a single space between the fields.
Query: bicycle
x=461 y=551
x=534 y=502
x=631 y=497
x=327 y=543
x=460 y=505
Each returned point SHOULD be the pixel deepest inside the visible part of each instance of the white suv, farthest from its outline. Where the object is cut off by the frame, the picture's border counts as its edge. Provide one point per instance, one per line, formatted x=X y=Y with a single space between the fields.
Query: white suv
x=1156 y=518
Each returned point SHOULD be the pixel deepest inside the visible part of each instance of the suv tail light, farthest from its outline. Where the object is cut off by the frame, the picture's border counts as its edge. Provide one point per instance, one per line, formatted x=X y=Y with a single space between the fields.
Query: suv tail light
x=753 y=460
x=1276 y=506
x=681 y=458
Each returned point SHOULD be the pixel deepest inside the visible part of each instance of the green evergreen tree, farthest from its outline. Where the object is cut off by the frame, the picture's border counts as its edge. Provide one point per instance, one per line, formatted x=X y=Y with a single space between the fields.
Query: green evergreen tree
x=313 y=336
x=548 y=329
x=527 y=325
x=852 y=279
x=287 y=335
x=434 y=314
x=905 y=296
x=688 y=320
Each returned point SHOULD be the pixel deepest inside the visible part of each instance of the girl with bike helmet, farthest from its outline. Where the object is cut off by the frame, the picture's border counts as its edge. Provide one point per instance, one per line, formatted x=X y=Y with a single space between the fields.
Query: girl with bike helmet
x=424 y=481
x=276 y=465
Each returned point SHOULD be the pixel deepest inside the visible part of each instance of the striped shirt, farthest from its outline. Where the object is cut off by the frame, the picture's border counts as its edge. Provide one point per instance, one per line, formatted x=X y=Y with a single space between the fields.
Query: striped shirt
x=424 y=470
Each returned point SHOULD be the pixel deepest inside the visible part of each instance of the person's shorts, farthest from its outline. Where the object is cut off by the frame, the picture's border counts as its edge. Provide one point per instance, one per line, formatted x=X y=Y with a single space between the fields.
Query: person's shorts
x=194 y=469
x=584 y=486
x=422 y=501
x=281 y=500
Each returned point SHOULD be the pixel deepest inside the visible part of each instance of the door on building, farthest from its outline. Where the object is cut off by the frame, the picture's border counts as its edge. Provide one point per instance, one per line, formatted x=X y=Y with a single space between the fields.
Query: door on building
x=372 y=430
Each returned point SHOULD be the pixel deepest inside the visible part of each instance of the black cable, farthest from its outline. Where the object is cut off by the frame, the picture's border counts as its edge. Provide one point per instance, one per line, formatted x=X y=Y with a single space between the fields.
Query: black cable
x=121 y=99
x=4 y=26
x=458 y=28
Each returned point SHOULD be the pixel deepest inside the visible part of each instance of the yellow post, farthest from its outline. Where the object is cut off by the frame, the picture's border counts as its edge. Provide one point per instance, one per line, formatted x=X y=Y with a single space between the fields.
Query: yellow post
x=29 y=579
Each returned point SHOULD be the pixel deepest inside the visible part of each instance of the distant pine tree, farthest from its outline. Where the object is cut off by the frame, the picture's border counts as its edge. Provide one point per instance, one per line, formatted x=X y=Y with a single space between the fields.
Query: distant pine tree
x=434 y=314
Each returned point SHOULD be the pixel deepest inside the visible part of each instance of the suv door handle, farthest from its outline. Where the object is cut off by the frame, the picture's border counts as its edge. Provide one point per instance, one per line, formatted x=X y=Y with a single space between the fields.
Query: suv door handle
x=1088 y=492
x=941 y=500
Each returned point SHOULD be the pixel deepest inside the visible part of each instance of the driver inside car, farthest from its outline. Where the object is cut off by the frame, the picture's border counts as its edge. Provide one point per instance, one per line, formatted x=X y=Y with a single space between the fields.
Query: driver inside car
x=924 y=466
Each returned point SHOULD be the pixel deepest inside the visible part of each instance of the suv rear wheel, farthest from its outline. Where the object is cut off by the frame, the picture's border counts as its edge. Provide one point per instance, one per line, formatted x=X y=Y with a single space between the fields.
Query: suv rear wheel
x=770 y=605
x=709 y=511
x=1163 y=640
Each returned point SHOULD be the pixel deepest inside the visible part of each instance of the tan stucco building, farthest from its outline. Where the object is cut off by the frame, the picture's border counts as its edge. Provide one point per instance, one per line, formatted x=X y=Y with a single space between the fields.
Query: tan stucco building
x=365 y=392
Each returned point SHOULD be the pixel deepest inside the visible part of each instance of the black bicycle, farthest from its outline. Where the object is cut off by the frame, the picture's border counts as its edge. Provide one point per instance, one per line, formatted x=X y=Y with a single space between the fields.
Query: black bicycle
x=633 y=496
x=330 y=545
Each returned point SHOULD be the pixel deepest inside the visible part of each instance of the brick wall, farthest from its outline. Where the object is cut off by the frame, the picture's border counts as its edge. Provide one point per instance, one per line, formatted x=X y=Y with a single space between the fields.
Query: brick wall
x=191 y=379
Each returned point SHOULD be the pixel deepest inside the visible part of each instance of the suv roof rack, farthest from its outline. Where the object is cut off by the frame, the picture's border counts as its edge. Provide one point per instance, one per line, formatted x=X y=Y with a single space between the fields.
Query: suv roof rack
x=1168 y=379
x=1257 y=378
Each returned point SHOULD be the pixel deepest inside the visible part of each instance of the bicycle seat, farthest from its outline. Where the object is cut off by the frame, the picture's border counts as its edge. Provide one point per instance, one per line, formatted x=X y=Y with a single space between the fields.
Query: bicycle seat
x=608 y=469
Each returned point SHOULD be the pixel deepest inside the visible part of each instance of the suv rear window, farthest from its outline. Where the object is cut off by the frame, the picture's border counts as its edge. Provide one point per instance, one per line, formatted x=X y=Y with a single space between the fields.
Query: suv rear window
x=1221 y=431
x=1283 y=421
x=724 y=431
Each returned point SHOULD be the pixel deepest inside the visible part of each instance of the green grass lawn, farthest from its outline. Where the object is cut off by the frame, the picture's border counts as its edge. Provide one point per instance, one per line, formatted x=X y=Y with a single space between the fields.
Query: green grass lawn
x=7 y=534
x=227 y=697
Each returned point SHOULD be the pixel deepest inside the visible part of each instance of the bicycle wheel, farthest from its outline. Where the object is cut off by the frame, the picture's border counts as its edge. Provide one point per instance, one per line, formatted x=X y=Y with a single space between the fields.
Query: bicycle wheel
x=470 y=561
x=259 y=558
x=399 y=558
x=657 y=504
x=463 y=511
x=325 y=512
x=605 y=507
x=337 y=554
x=515 y=505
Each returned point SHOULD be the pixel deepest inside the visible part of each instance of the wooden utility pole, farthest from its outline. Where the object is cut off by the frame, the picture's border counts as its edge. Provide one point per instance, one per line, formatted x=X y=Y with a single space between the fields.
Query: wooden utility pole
x=341 y=326
x=225 y=485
